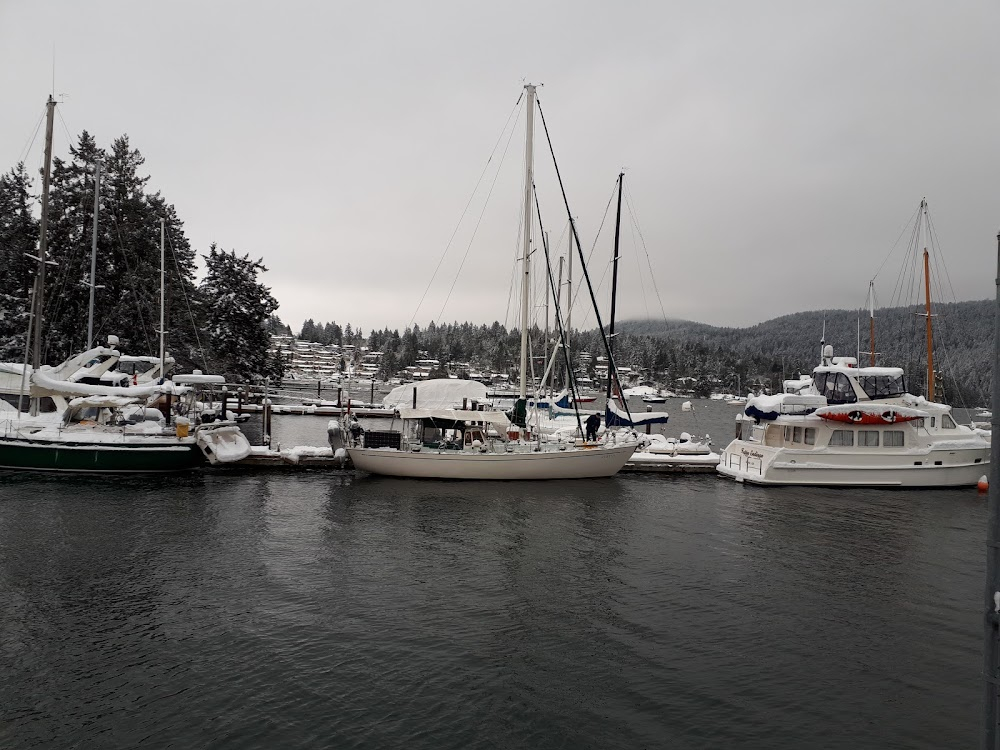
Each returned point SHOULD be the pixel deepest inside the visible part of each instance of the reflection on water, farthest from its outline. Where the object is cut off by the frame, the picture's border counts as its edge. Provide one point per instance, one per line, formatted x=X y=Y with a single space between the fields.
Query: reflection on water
x=314 y=609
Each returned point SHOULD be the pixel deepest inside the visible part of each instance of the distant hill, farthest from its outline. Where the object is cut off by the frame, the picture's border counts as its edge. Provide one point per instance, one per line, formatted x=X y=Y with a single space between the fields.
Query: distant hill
x=963 y=345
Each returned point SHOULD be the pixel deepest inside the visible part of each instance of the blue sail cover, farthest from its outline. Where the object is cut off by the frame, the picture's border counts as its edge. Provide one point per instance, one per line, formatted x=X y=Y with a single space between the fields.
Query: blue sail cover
x=615 y=417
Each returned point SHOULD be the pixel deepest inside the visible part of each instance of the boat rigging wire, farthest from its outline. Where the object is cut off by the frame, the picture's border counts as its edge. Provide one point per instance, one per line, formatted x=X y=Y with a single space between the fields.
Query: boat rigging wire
x=514 y=110
x=612 y=368
x=132 y=277
x=69 y=138
x=593 y=247
x=31 y=141
x=896 y=243
x=570 y=377
x=479 y=221
x=187 y=302
x=635 y=221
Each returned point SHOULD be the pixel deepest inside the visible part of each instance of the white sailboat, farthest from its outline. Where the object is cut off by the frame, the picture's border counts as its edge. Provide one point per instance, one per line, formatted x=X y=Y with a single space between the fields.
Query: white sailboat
x=475 y=444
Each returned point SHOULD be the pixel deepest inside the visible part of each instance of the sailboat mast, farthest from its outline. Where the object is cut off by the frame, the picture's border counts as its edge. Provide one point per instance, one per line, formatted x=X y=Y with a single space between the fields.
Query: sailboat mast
x=545 y=347
x=569 y=289
x=871 y=320
x=526 y=274
x=163 y=281
x=43 y=241
x=559 y=298
x=614 y=281
x=93 y=252
x=930 y=332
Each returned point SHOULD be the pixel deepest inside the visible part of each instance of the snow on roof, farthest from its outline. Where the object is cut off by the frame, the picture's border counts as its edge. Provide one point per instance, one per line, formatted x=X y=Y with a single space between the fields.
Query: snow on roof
x=440 y=393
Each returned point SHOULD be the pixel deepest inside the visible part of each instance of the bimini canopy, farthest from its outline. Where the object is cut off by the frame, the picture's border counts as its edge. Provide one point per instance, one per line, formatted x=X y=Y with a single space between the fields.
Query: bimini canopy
x=616 y=417
x=456 y=416
x=435 y=394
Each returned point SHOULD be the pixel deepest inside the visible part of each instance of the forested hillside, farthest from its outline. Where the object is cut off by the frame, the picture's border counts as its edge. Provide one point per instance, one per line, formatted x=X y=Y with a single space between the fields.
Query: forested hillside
x=963 y=345
x=719 y=358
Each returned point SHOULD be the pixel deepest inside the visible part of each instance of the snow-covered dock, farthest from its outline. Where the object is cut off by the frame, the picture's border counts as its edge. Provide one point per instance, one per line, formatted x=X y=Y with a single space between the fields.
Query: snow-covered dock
x=320 y=410
x=647 y=462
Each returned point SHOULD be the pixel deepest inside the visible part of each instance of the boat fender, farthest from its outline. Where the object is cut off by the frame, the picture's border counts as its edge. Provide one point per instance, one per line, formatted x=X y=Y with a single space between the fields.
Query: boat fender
x=335 y=434
x=984 y=484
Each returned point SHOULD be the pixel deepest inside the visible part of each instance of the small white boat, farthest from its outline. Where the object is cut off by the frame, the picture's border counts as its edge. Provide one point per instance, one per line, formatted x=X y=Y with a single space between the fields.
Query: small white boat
x=657 y=453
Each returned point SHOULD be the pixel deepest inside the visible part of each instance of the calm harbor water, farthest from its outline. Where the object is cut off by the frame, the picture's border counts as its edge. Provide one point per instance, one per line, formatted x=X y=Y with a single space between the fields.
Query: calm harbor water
x=316 y=609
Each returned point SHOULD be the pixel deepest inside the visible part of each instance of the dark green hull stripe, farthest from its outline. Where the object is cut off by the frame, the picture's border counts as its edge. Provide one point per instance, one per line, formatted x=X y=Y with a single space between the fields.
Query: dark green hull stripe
x=25 y=455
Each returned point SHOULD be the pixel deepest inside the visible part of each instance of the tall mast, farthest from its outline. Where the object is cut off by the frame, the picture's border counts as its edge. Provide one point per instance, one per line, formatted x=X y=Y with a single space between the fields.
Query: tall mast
x=569 y=288
x=545 y=345
x=559 y=296
x=614 y=281
x=871 y=320
x=927 y=310
x=526 y=274
x=163 y=280
x=930 y=332
x=43 y=240
x=93 y=252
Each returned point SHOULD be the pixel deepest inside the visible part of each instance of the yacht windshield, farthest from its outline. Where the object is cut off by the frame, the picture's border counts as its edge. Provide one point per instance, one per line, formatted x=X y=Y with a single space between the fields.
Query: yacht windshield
x=836 y=386
x=882 y=386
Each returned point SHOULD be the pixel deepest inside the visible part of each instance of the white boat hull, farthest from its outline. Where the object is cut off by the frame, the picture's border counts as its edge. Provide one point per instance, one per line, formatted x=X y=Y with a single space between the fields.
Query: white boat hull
x=762 y=465
x=572 y=463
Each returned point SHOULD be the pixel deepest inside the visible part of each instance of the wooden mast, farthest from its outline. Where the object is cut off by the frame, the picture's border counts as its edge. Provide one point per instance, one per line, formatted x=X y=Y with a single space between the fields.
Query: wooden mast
x=38 y=300
x=43 y=236
x=930 y=331
x=614 y=287
x=871 y=321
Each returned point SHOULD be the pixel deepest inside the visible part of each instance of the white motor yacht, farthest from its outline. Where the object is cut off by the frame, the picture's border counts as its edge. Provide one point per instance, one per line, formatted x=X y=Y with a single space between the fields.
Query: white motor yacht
x=853 y=426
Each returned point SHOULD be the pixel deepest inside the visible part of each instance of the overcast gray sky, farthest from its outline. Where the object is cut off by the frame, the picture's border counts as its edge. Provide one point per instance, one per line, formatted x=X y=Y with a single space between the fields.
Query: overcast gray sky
x=773 y=151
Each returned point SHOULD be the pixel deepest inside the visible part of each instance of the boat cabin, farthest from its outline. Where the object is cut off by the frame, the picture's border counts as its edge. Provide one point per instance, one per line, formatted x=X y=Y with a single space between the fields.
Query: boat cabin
x=849 y=385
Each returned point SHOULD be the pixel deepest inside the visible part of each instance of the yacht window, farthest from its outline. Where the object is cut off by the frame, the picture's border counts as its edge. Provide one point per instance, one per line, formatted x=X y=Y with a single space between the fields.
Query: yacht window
x=882 y=386
x=11 y=399
x=868 y=438
x=773 y=436
x=788 y=434
x=933 y=420
x=947 y=422
x=831 y=385
x=843 y=391
x=757 y=435
x=842 y=437
x=810 y=436
x=797 y=435
x=46 y=405
x=892 y=438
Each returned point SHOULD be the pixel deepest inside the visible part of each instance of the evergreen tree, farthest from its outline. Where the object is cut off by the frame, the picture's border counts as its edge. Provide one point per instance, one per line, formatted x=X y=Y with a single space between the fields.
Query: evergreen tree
x=18 y=237
x=236 y=311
